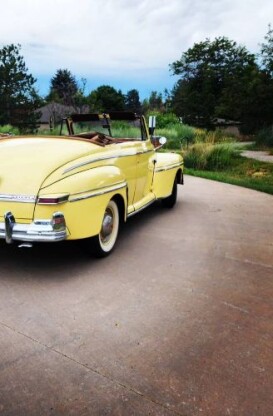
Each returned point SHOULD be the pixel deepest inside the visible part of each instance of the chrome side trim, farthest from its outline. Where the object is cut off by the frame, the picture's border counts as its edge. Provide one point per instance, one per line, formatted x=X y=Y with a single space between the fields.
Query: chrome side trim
x=115 y=156
x=98 y=192
x=79 y=165
x=168 y=167
x=18 y=198
x=141 y=208
x=147 y=151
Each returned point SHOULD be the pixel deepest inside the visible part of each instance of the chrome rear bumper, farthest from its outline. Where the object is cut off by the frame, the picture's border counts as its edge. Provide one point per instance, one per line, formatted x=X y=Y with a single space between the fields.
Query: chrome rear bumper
x=37 y=231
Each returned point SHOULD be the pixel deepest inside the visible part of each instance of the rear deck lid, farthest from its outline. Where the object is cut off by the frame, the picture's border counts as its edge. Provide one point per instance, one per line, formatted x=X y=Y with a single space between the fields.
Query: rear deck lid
x=26 y=162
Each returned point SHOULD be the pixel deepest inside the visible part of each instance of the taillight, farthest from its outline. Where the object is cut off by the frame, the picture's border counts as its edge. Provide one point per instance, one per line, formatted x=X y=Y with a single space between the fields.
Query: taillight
x=52 y=200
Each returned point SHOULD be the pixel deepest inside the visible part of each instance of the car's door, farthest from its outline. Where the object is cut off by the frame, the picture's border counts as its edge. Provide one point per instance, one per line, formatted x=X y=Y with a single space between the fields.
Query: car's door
x=144 y=171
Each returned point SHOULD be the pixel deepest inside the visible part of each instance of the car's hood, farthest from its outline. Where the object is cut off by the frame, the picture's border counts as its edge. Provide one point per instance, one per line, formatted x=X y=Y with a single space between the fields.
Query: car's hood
x=26 y=162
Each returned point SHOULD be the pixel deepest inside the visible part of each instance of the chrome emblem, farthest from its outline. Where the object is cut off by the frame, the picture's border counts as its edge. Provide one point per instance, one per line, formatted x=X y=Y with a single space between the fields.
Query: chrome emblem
x=17 y=198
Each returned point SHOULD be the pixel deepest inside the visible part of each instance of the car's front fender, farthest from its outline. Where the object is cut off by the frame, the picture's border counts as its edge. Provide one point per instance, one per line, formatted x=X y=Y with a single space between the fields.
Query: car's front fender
x=168 y=166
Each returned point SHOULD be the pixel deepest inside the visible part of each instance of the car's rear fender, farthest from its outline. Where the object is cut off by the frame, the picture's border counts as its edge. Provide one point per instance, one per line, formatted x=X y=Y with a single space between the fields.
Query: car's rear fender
x=88 y=195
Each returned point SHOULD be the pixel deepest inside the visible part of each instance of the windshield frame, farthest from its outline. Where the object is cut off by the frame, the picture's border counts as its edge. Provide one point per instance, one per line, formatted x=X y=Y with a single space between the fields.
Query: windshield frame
x=105 y=120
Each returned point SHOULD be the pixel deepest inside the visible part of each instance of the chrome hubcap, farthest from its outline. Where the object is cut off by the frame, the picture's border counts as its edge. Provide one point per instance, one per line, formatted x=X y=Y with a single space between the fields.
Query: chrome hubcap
x=107 y=226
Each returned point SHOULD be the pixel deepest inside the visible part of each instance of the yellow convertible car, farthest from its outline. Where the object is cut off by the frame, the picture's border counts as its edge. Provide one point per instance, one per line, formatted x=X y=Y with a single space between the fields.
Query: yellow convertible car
x=81 y=185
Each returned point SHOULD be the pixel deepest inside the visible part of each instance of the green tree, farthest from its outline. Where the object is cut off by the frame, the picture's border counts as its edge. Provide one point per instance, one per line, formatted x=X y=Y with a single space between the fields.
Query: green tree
x=208 y=70
x=63 y=88
x=153 y=104
x=253 y=106
x=156 y=101
x=106 y=98
x=267 y=51
x=18 y=97
x=132 y=101
x=80 y=99
x=145 y=106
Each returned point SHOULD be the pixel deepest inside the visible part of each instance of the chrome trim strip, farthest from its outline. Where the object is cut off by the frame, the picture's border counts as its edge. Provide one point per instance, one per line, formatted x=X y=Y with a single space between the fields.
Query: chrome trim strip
x=99 y=192
x=97 y=189
x=168 y=167
x=18 y=198
x=141 y=208
x=147 y=151
x=79 y=165
x=115 y=156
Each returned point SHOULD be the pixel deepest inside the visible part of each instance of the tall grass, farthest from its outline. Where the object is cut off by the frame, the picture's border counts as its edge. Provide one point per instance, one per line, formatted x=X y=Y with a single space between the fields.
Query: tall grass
x=212 y=137
x=51 y=132
x=181 y=136
x=206 y=156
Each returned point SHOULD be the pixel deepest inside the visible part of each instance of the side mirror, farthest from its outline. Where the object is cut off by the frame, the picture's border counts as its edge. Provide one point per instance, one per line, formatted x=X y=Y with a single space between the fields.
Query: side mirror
x=152 y=124
x=158 y=141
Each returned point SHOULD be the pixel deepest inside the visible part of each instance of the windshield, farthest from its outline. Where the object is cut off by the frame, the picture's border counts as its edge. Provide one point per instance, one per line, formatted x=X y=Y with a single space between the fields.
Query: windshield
x=117 y=129
x=116 y=125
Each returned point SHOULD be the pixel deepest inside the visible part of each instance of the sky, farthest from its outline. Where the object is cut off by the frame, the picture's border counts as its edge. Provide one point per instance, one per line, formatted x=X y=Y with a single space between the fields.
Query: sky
x=124 y=43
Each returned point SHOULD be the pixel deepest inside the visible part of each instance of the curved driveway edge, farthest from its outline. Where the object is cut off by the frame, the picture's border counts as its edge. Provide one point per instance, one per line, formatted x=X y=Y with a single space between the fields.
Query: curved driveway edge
x=262 y=156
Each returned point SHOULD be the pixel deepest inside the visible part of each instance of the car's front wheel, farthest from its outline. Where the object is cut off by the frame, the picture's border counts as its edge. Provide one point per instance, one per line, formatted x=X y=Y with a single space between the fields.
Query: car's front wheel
x=104 y=243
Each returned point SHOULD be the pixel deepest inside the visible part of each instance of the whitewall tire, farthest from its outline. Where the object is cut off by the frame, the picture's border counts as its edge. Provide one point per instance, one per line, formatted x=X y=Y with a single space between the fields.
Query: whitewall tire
x=104 y=243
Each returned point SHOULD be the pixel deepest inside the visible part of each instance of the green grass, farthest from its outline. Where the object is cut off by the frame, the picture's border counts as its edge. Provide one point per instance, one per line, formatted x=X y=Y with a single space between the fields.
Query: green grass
x=222 y=162
x=207 y=156
x=243 y=172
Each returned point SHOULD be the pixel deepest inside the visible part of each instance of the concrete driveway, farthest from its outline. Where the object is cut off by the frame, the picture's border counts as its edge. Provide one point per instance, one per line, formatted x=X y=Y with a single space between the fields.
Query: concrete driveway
x=178 y=321
x=262 y=156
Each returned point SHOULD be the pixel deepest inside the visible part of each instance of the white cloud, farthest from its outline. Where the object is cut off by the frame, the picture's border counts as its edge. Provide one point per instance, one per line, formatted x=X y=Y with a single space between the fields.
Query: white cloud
x=125 y=36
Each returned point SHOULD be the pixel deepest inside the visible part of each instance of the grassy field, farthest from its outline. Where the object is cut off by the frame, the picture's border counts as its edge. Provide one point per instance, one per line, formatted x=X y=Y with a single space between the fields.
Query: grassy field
x=244 y=172
x=213 y=155
x=240 y=171
x=222 y=162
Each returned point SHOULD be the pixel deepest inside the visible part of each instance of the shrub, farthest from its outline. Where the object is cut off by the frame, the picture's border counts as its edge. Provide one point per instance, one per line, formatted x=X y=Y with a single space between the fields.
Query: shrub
x=179 y=135
x=8 y=129
x=166 y=120
x=205 y=156
x=220 y=157
x=264 y=137
x=200 y=135
x=196 y=156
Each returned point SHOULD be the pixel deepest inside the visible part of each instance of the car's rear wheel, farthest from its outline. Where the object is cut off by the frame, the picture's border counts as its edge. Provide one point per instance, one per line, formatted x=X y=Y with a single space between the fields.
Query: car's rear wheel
x=170 y=201
x=104 y=243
